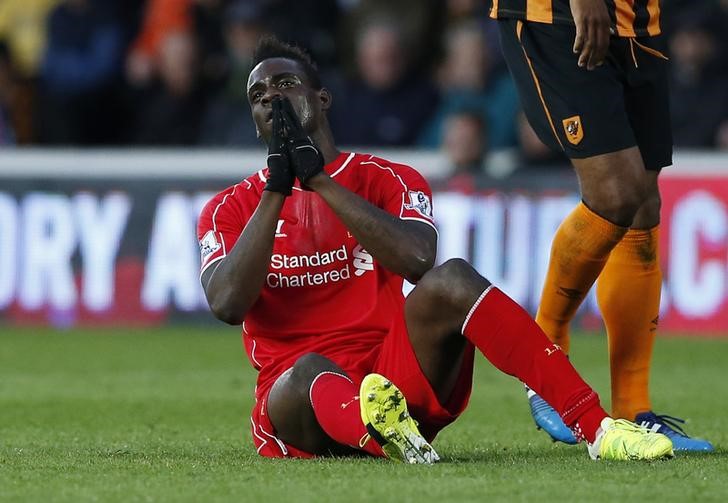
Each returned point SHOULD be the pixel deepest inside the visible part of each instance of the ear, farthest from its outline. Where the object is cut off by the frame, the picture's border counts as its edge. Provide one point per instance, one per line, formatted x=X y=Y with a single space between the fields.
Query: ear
x=325 y=98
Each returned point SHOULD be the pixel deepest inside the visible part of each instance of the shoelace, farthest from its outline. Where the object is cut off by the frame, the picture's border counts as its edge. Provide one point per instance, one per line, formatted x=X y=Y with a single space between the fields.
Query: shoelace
x=629 y=425
x=669 y=422
x=623 y=425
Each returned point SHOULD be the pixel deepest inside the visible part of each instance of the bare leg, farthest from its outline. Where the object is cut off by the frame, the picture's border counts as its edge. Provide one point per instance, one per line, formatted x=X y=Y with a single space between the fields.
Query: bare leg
x=435 y=311
x=290 y=411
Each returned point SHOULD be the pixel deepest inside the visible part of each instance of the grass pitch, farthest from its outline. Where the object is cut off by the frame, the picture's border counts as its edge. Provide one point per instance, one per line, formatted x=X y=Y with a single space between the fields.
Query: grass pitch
x=162 y=415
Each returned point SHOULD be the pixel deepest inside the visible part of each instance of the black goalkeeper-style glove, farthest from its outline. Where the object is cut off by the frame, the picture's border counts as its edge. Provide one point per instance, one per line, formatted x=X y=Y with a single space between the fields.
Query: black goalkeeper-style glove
x=280 y=173
x=306 y=158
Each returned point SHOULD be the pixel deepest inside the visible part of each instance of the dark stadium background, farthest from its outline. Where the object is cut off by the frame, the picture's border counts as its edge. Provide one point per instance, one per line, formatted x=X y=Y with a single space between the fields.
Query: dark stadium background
x=172 y=72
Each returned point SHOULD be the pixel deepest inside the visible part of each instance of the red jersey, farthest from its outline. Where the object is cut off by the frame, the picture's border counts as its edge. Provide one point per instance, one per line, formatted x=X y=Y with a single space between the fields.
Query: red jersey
x=323 y=292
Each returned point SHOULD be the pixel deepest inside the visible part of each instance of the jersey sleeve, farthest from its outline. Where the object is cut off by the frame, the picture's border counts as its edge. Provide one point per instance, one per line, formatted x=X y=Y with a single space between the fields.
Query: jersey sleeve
x=221 y=222
x=404 y=192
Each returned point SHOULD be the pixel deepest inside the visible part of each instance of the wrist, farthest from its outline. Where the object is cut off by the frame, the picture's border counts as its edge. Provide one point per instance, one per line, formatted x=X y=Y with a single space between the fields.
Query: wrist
x=318 y=181
x=273 y=196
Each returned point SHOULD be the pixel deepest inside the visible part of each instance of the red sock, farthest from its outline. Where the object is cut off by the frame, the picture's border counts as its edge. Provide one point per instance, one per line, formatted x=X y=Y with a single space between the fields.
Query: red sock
x=335 y=402
x=508 y=337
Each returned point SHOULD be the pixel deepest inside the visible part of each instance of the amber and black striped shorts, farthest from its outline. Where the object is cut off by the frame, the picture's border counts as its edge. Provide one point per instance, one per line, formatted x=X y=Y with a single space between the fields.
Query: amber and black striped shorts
x=584 y=113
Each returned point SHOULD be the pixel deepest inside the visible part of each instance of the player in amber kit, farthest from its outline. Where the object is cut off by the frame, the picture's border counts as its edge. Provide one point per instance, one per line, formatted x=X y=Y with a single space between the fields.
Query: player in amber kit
x=592 y=80
x=310 y=255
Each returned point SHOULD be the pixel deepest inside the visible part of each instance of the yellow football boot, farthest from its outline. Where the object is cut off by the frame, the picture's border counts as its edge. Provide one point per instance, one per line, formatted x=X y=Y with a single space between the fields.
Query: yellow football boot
x=384 y=412
x=620 y=439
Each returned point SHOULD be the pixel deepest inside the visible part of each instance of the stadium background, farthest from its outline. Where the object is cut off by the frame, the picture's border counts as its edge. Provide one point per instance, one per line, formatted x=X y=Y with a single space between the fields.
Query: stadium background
x=118 y=119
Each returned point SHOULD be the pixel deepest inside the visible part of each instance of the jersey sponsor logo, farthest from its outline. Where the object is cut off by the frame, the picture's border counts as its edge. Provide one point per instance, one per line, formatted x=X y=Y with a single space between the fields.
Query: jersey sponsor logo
x=280 y=280
x=574 y=129
x=363 y=261
x=209 y=244
x=420 y=202
x=279 y=230
x=282 y=262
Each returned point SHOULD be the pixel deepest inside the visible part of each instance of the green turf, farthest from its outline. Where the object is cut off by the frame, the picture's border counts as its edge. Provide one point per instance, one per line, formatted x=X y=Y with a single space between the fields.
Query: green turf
x=162 y=415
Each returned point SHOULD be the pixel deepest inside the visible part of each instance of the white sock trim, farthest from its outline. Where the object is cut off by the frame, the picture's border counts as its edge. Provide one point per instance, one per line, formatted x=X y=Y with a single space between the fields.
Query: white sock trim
x=310 y=388
x=593 y=449
x=475 y=306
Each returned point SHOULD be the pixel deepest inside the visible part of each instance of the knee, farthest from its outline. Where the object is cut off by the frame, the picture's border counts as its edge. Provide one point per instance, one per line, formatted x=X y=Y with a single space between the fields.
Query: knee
x=620 y=205
x=453 y=284
x=618 y=198
x=648 y=215
x=306 y=368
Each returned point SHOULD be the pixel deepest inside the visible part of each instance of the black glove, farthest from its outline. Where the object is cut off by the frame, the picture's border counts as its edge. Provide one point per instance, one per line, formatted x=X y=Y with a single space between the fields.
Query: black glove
x=306 y=158
x=280 y=174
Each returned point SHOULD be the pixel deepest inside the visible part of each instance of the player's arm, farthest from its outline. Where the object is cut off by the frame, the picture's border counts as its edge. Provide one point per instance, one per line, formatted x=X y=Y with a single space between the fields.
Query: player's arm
x=592 y=31
x=405 y=247
x=233 y=284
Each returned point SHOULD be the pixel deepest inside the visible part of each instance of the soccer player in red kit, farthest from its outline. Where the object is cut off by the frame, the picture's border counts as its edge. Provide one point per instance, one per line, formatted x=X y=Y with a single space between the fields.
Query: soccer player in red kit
x=309 y=255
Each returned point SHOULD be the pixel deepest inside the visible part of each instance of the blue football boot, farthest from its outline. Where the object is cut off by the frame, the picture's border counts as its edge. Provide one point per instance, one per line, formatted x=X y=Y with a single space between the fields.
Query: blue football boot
x=671 y=427
x=548 y=420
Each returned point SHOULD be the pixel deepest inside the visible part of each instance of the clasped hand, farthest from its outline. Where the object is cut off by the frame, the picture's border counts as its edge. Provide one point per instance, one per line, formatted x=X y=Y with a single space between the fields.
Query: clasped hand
x=291 y=152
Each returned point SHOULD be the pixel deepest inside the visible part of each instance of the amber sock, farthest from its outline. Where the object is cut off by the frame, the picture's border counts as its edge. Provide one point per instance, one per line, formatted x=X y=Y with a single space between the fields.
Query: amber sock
x=628 y=292
x=579 y=251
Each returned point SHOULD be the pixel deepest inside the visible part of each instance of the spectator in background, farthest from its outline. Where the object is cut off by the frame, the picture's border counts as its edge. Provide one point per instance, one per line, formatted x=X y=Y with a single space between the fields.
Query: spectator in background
x=464 y=144
x=310 y=24
x=80 y=75
x=390 y=101
x=420 y=23
x=467 y=81
x=23 y=28
x=460 y=10
x=171 y=107
x=162 y=18
x=476 y=11
x=226 y=122
x=7 y=92
x=721 y=136
x=699 y=79
x=208 y=20
x=162 y=69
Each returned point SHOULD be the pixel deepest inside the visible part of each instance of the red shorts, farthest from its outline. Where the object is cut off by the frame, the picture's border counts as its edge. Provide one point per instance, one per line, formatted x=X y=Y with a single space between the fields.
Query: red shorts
x=394 y=358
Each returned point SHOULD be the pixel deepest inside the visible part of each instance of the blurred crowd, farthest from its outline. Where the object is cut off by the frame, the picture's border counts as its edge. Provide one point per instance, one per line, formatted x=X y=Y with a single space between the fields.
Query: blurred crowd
x=425 y=73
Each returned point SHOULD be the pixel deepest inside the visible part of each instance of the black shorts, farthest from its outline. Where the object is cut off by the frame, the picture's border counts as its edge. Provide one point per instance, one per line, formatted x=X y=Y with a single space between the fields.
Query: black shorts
x=584 y=113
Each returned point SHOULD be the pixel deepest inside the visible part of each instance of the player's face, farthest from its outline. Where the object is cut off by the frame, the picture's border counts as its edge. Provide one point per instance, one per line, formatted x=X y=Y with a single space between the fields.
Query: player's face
x=282 y=77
